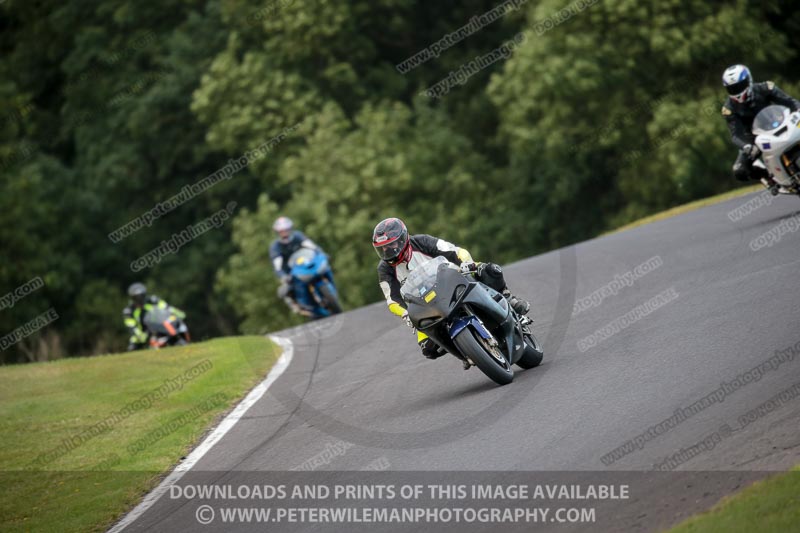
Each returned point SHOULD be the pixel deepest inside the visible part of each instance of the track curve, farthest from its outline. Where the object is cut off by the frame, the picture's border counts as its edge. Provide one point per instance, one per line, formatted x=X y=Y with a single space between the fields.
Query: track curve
x=730 y=306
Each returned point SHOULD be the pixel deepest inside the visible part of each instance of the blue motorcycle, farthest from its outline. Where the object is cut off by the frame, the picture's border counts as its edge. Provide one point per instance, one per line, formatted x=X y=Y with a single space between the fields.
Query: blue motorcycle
x=312 y=281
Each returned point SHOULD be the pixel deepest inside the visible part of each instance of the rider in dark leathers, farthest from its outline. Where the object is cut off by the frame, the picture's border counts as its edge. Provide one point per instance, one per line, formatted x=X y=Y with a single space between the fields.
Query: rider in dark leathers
x=745 y=100
x=133 y=315
x=401 y=253
x=294 y=293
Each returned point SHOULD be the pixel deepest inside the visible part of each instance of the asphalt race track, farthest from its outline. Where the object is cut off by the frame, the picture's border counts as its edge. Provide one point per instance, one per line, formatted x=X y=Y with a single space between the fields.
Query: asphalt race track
x=358 y=387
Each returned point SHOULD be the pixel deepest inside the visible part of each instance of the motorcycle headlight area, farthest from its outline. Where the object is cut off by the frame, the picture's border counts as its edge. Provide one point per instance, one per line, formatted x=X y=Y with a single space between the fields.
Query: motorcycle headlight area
x=305 y=278
x=428 y=322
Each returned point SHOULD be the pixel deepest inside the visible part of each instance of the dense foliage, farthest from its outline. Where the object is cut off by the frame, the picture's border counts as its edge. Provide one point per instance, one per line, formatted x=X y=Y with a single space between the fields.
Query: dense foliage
x=607 y=111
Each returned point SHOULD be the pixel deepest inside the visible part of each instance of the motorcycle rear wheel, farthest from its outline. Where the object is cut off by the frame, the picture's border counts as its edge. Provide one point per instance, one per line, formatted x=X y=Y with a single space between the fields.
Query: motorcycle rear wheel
x=532 y=357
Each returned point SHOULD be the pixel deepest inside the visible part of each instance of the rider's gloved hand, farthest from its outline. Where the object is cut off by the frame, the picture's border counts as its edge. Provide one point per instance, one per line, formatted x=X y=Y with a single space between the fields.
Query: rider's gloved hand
x=468 y=267
x=751 y=150
x=408 y=322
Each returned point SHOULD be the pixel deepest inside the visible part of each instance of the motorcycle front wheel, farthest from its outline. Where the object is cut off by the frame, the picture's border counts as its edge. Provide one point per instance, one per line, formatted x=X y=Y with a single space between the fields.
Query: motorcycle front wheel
x=329 y=300
x=486 y=357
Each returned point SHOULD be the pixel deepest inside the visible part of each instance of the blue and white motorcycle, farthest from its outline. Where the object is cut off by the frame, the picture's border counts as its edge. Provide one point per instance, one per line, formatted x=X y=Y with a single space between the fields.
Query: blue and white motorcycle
x=312 y=280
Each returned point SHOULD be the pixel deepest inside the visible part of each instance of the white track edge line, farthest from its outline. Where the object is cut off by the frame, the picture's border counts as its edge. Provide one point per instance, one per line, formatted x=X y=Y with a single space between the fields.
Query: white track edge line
x=216 y=434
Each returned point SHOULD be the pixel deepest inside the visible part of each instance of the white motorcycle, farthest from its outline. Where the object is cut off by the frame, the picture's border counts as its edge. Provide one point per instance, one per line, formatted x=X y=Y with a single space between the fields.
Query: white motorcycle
x=777 y=132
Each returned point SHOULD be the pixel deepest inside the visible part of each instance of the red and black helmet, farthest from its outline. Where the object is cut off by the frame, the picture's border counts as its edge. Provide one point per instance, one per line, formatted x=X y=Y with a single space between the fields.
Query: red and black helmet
x=390 y=240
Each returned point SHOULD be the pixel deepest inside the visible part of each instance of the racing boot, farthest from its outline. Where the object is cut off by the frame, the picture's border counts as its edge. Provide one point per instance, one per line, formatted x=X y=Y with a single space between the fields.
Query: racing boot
x=771 y=185
x=520 y=306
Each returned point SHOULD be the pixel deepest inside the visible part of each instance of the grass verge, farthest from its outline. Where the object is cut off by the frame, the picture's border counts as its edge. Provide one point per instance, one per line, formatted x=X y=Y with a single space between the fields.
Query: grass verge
x=685 y=208
x=767 y=506
x=85 y=438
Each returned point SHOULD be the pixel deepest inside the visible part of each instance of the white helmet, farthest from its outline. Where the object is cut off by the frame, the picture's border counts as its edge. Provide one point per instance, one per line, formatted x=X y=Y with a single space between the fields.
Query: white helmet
x=738 y=82
x=283 y=226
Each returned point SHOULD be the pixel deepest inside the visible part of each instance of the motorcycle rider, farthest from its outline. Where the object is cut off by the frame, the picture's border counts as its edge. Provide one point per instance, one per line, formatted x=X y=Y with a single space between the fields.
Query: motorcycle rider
x=133 y=315
x=400 y=253
x=745 y=100
x=296 y=294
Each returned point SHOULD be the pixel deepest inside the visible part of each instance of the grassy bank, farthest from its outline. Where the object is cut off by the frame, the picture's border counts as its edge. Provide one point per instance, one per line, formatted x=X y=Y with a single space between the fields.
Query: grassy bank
x=768 y=506
x=85 y=438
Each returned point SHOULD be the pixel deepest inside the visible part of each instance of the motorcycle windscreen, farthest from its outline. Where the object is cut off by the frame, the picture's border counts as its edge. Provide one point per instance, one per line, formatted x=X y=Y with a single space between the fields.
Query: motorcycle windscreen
x=154 y=321
x=770 y=118
x=306 y=263
x=420 y=285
